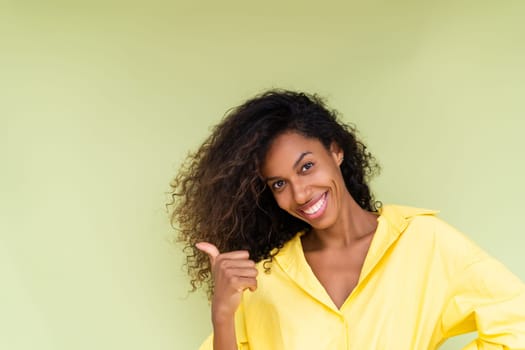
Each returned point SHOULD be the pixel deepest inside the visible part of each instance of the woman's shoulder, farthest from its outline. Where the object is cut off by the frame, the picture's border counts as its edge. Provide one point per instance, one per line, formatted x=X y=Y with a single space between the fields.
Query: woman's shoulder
x=283 y=256
x=419 y=222
x=424 y=225
x=400 y=218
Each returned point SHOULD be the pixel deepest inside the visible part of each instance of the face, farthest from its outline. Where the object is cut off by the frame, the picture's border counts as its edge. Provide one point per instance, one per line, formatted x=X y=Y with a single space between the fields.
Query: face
x=305 y=178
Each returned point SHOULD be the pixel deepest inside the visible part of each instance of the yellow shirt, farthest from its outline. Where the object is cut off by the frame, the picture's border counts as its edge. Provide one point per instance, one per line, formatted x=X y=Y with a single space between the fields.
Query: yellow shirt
x=422 y=282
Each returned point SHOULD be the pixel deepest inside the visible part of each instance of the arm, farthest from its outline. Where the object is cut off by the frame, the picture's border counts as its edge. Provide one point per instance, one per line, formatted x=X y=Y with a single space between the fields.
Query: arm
x=233 y=272
x=239 y=334
x=224 y=334
x=487 y=298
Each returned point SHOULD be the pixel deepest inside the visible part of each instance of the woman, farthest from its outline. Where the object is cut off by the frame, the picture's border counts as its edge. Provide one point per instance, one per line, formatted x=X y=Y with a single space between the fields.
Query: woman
x=280 y=225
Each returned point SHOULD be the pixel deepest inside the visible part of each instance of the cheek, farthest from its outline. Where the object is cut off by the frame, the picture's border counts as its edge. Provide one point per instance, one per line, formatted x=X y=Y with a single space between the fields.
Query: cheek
x=280 y=199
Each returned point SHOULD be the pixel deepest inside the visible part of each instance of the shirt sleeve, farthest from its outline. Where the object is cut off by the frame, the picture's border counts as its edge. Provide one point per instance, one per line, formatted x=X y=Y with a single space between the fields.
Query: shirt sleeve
x=486 y=297
x=240 y=333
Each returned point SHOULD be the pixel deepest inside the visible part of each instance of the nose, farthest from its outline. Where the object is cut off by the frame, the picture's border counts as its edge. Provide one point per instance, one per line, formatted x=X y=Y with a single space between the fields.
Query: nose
x=301 y=192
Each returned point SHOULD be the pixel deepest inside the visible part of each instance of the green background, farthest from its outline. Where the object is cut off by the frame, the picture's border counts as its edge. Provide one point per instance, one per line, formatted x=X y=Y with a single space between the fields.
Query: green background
x=101 y=101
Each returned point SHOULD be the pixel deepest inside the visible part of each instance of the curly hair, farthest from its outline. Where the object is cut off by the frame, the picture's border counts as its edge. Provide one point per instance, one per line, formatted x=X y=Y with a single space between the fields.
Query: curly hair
x=219 y=196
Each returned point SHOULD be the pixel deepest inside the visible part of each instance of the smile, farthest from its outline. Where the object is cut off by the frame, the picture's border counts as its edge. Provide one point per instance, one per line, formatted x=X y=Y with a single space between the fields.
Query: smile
x=315 y=209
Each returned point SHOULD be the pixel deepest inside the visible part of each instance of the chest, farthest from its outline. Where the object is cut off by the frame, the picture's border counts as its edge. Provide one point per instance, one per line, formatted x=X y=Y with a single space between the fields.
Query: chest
x=397 y=306
x=337 y=271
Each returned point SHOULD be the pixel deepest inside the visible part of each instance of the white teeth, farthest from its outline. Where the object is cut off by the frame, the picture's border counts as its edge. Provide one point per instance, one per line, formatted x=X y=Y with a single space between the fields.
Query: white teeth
x=315 y=208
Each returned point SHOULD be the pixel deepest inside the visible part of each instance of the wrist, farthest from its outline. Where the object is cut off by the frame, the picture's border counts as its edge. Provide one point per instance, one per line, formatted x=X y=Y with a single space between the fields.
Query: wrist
x=222 y=317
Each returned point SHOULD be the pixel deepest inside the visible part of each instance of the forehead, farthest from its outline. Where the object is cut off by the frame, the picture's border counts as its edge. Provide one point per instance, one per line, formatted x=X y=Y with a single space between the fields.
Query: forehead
x=286 y=148
x=292 y=140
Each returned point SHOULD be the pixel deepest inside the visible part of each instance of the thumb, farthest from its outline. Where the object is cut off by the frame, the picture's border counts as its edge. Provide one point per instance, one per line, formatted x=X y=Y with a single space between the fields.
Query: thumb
x=209 y=249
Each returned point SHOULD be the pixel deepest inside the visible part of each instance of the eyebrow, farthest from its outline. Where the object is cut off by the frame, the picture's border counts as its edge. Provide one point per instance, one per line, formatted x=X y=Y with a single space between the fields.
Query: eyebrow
x=304 y=154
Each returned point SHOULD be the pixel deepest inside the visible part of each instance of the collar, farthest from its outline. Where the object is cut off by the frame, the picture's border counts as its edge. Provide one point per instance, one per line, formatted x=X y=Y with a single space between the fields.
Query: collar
x=392 y=222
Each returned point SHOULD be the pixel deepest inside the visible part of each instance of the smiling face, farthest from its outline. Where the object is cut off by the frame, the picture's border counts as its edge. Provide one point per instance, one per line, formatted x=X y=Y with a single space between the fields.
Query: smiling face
x=305 y=179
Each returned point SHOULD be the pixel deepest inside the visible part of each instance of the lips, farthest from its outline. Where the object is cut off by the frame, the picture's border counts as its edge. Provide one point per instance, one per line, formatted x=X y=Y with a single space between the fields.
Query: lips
x=315 y=208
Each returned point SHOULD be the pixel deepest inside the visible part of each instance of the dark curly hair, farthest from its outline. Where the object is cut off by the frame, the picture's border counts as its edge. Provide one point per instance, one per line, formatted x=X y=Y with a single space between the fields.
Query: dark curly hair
x=219 y=195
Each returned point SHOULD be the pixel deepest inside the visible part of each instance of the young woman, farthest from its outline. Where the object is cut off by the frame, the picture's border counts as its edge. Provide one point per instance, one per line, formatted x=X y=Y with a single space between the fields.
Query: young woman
x=280 y=225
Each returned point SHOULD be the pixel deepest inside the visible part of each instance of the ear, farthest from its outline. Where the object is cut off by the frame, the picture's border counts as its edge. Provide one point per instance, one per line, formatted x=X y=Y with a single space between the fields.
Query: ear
x=337 y=153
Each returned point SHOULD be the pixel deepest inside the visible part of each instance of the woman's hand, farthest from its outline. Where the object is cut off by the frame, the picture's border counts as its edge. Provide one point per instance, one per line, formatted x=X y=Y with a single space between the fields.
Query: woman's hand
x=233 y=272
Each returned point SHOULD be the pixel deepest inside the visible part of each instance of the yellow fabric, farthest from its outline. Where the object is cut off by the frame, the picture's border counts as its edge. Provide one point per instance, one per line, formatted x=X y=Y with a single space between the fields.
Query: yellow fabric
x=422 y=282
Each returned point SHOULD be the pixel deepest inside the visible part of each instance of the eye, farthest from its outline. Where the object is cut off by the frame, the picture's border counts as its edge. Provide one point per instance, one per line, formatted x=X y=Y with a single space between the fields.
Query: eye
x=307 y=166
x=277 y=185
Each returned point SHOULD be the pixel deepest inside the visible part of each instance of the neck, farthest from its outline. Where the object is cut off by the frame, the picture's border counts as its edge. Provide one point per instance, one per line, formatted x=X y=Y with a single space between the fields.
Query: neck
x=352 y=227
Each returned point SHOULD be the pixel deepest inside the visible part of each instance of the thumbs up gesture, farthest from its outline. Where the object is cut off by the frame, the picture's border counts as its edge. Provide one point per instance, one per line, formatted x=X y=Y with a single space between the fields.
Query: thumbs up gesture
x=232 y=272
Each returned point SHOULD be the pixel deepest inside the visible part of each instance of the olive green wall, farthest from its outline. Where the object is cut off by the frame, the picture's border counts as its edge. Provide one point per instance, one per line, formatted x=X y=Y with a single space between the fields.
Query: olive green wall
x=100 y=101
